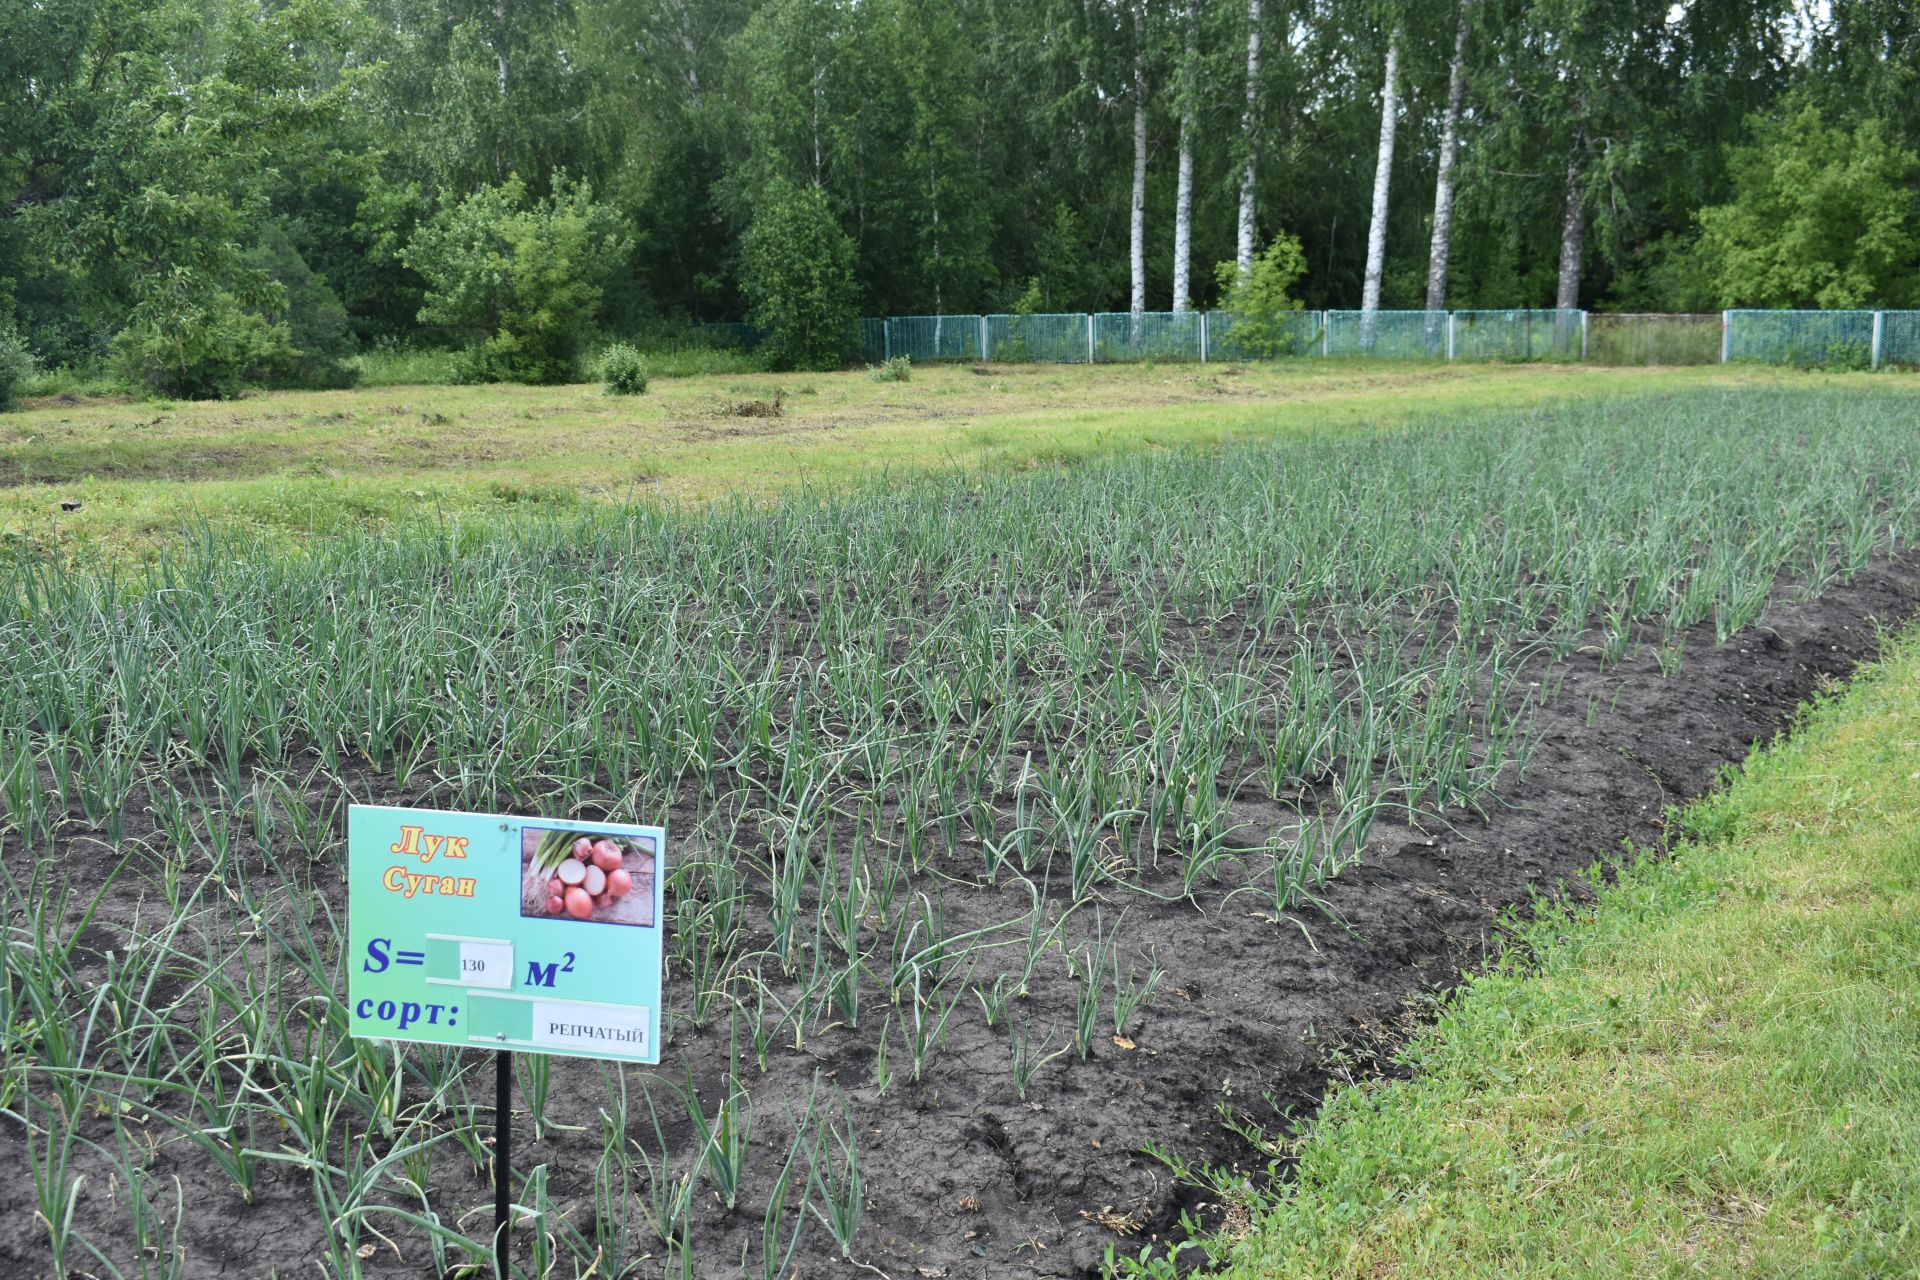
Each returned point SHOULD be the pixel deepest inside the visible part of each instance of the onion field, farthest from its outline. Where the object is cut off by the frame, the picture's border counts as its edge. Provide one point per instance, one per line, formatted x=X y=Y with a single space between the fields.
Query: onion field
x=980 y=791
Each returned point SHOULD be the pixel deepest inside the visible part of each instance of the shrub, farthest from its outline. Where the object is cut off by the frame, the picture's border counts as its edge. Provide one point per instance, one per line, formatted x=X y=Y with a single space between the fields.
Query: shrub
x=320 y=357
x=521 y=280
x=622 y=371
x=895 y=369
x=797 y=265
x=208 y=347
x=16 y=366
x=1263 y=324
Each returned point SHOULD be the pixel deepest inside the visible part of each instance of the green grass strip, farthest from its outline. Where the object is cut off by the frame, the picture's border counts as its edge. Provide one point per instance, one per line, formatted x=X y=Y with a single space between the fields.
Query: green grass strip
x=1714 y=1073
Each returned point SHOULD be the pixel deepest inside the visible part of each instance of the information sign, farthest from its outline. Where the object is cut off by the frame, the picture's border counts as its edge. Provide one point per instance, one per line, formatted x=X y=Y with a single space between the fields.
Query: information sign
x=534 y=934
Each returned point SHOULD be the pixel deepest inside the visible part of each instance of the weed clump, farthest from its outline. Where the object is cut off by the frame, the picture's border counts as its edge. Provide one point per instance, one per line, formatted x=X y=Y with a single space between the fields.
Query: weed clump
x=623 y=371
x=893 y=369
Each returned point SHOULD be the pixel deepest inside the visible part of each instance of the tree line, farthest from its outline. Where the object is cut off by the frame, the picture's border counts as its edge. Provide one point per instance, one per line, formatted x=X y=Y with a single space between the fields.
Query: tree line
x=209 y=193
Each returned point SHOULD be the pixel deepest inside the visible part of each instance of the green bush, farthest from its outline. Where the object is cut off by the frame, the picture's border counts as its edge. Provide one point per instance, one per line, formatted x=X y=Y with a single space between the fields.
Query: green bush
x=797 y=265
x=1262 y=311
x=16 y=365
x=622 y=371
x=895 y=369
x=207 y=347
x=520 y=280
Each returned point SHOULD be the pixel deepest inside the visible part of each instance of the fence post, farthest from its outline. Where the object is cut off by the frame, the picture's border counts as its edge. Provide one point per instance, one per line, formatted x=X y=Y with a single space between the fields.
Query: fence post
x=983 y=339
x=1449 y=337
x=1203 y=338
x=886 y=338
x=1726 y=335
x=1326 y=336
x=1879 y=322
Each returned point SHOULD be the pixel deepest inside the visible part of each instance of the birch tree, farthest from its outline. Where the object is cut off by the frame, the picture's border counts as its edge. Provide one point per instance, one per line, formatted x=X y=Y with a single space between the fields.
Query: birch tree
x=1573 y=232
x=1137 y=236
x=1183 y=194
x=1441 y=245
x=1249 y=142
x=1382 y=175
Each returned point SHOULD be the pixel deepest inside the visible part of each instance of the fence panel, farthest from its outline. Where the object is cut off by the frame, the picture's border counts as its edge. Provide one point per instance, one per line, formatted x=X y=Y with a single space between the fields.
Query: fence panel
x=1151 y=335
x=873 y=339
x=1836 y=339
x=1297 y=333
x=734 y=335
x=1653 y=338
x=1900 y=338
x=925 y=338
x=1803 y=338
x=1043 y=339
x=1402 y=335
x=1515 y=335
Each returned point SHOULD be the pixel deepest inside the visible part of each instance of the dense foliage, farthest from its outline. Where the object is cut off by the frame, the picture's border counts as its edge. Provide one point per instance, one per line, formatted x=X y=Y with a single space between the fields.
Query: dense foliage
x=191 y=185
x=799 y=278
x=518 y=281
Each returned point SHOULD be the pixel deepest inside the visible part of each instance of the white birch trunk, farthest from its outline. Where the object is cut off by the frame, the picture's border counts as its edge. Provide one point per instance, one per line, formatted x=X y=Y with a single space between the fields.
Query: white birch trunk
x=819 y=76
x=1573 y=237
x=1183 y=196
x=1383 y=171
x=1442 y=246
x=1137 y=240
x=1382 y=174
x=688 y=49
x=500 y=47
x=1249 y=131
x=933 y=201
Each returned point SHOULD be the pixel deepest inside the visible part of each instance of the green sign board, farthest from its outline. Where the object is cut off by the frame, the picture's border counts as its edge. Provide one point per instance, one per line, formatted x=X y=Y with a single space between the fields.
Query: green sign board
x=533 y=934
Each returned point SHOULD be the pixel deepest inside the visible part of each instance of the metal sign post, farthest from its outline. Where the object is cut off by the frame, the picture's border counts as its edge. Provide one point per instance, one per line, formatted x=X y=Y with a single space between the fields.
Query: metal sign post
x=502 y=1158
x=539 y=935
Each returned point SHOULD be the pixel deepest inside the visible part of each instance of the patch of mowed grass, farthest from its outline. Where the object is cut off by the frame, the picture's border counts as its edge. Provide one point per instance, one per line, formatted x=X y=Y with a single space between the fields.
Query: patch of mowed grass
x=1713 y=1072
x=287 y=466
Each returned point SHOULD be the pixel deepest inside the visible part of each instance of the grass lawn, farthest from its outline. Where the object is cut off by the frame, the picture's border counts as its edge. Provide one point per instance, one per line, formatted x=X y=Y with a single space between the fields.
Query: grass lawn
x=287 y=464
x=1717 y=1073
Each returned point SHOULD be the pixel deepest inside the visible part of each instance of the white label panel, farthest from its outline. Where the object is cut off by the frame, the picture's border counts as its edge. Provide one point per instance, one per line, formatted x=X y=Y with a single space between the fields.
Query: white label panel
x=486 y=964
x=562 y=1024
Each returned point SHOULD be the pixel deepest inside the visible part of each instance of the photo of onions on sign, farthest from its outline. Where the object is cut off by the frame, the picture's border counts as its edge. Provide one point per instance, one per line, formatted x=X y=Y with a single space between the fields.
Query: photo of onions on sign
x=491 y=931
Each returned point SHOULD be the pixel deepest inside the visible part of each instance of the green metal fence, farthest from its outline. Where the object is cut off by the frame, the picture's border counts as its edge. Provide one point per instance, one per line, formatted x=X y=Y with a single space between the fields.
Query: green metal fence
x=1833 y=339
x=1805 y=338
x=928 y=338
x=1900 y=339
x=733 y=334
x=1298 y=333
x=1147 y=335
x=873 y=340
x=1515 y=335
x=1393 y=335
x=1043 y=339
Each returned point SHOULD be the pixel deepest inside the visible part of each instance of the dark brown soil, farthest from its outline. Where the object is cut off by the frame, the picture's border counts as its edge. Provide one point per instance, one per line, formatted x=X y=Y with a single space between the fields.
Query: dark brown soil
x=966 y=1180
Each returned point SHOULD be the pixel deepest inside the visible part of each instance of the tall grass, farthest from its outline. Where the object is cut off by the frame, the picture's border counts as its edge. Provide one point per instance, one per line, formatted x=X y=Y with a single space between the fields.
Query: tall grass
x=666 y=355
